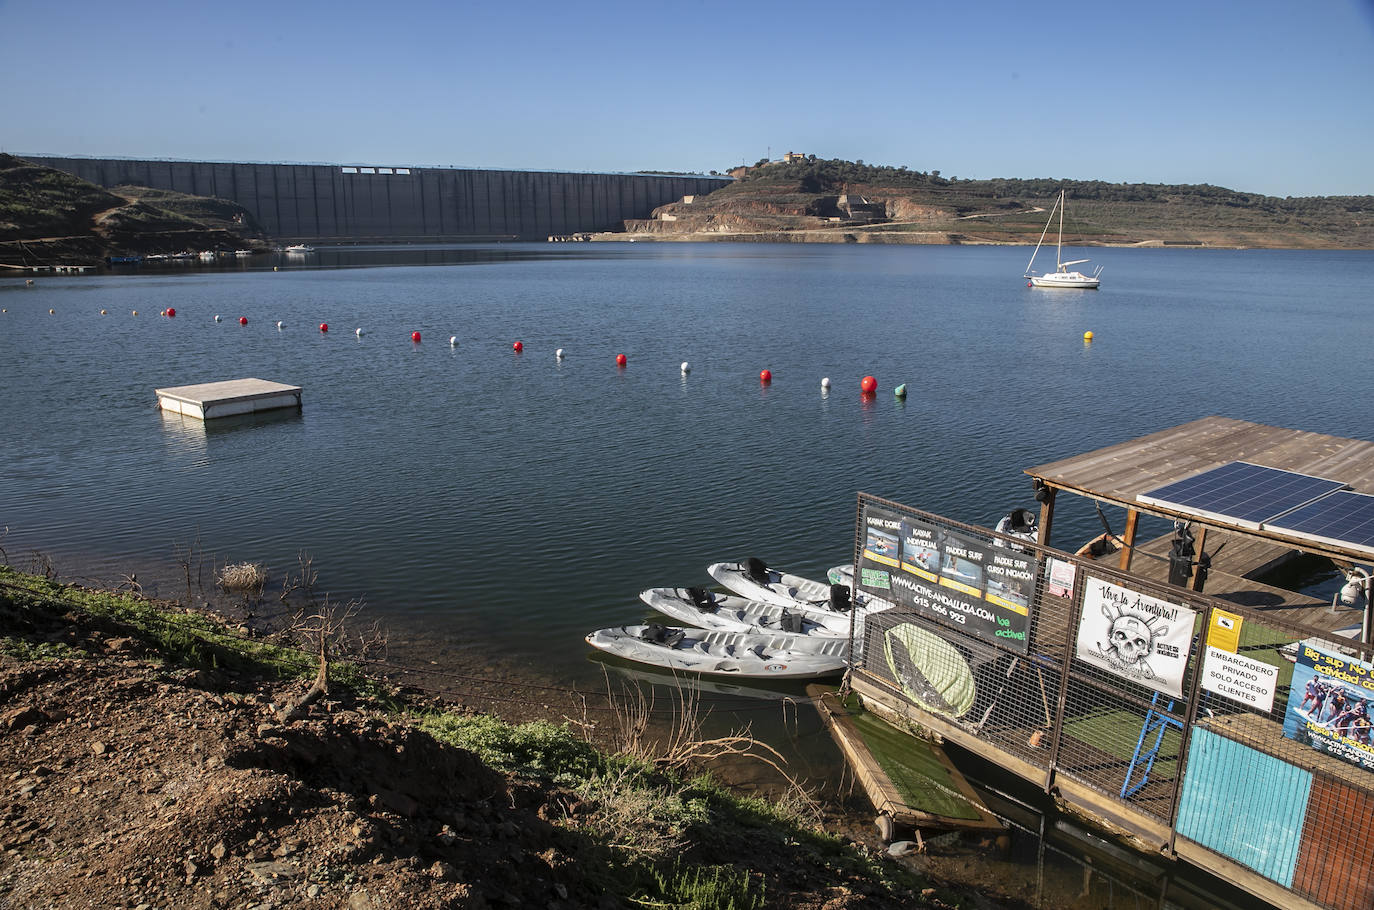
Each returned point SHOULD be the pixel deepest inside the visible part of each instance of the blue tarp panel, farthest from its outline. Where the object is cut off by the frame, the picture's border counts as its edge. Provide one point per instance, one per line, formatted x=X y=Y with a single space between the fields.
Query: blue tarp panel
x=1244 y=804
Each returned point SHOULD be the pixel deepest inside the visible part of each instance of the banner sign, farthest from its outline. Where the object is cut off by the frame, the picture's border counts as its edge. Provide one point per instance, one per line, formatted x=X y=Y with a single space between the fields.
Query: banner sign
x=1330 y=703
x=1234 y=676
x=952 y=577
x=1135 y=636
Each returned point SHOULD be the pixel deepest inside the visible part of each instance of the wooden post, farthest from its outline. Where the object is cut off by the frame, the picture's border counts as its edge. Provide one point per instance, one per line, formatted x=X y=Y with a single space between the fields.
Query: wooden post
x=1197 y=582
x=1128 y=539
x=1047 y=516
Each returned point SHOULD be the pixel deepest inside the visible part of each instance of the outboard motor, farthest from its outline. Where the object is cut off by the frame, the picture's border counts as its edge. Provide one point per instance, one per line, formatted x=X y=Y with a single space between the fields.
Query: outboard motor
x=757 y=569
x=839 y=598
x=1020 y=523
x=1181 y=555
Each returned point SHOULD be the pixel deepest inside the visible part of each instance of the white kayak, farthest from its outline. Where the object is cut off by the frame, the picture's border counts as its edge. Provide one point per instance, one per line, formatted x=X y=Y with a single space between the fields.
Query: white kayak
x=754 y=580
x=844 y=575
x=730 y=613
x=725 y=653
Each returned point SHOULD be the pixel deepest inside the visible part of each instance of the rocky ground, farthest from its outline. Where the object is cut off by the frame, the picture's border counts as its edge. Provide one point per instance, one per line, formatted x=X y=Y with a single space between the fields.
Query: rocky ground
x=132 y=784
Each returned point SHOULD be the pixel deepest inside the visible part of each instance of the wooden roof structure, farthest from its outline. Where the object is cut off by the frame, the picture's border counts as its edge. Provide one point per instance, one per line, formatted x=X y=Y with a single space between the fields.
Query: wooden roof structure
x=1119 y=474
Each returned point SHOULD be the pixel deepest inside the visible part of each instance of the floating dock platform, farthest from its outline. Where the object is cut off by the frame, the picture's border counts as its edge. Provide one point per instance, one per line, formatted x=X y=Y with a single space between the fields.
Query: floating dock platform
x=909 y=779
x=210 y=400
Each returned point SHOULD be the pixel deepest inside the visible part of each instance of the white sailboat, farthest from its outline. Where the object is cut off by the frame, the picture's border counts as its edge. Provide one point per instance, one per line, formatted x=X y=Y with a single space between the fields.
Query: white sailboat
x=1061 y=277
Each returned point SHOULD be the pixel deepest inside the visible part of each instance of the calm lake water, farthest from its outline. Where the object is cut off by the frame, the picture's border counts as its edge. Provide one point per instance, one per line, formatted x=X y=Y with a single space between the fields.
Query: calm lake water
x=484 y=501
x=512 y=502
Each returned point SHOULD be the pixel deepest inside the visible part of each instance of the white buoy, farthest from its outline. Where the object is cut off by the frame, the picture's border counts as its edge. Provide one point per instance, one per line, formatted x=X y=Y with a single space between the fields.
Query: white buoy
x=825 y=383
x=686 y=367
x=278 y=323
x=453 y=341
x=558 y=353
x=358 y=332
x=216 y=319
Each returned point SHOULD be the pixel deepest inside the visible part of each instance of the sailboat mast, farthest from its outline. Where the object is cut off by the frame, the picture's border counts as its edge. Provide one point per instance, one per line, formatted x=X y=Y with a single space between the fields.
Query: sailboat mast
x=1059 y=247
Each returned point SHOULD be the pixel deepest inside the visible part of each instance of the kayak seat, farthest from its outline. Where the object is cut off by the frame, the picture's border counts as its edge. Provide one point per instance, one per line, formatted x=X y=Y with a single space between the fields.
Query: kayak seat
x=758 y=570
x=662 y=635
x=702 y=600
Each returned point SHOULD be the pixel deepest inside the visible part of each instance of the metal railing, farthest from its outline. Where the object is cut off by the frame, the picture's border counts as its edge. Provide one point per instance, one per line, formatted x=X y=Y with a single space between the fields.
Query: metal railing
x=1239 y=739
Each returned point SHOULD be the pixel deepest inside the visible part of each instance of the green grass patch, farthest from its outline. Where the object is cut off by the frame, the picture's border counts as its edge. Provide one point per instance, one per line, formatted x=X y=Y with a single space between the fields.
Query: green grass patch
x=537 y=749
x=1116 y=732
x=173 y=634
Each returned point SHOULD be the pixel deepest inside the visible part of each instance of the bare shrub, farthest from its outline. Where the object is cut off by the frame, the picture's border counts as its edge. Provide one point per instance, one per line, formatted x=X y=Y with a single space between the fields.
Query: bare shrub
x=333 y=633
x=246 y=578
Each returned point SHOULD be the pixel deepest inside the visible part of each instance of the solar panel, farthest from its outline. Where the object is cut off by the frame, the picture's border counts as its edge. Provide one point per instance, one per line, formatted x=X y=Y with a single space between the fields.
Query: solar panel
x=1241 y=493
x=1344 y=518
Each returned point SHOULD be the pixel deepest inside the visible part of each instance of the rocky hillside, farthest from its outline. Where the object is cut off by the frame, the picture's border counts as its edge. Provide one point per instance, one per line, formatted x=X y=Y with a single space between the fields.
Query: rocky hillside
x=811 y=200
x=48 y=217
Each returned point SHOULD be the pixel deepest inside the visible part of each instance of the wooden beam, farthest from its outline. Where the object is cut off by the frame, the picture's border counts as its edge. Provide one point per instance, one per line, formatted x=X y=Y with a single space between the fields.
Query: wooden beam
x=1128 y=538
x=1201 y=542
x=1047 y=515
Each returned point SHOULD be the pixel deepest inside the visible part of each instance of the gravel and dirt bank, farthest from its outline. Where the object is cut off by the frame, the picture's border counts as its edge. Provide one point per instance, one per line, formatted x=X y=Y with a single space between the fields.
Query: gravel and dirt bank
x=132 y=781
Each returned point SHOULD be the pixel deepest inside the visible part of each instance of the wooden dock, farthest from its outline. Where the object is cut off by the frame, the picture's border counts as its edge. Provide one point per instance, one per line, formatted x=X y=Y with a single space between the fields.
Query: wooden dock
x=916 y=786
x=210 y=400
x=1239 y=558
x=1122 y=474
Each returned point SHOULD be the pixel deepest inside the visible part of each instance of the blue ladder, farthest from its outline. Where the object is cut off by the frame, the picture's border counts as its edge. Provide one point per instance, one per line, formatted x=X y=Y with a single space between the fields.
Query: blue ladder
x=1157 y=722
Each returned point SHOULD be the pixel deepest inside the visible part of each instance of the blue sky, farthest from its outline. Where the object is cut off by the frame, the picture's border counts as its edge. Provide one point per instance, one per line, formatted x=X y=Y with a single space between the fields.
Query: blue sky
x=1261 y=96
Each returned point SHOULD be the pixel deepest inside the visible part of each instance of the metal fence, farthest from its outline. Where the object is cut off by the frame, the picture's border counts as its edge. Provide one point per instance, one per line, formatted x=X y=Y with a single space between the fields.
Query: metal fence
x=1209 y=730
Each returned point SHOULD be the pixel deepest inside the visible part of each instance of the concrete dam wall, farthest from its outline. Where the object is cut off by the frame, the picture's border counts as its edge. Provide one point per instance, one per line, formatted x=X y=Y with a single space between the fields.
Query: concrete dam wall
x=354 y=202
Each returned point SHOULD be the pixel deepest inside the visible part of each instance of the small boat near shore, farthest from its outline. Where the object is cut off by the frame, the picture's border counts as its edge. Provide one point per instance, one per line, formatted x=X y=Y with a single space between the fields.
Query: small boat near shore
x=725 y=653
x=298 y=249
x=731 y=613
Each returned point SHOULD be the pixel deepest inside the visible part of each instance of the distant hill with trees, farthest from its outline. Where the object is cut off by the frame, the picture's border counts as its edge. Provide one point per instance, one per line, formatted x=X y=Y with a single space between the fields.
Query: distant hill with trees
x=813 y=199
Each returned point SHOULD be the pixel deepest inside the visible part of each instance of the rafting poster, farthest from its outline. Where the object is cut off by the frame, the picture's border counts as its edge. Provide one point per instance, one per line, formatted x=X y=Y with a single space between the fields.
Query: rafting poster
x=1330 y=703
x=1137 y=637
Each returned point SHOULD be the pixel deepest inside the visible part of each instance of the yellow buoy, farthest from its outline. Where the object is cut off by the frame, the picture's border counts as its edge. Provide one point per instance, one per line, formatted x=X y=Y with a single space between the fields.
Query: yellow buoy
x=1087 y=336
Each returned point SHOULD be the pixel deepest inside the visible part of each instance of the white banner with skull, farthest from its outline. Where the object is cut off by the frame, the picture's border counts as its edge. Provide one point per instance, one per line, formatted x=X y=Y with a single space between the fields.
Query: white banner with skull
x=1135 y=636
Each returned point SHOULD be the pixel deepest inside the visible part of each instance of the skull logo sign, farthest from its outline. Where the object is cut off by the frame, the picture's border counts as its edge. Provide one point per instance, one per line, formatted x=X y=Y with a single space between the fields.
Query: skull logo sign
x=1130 y=640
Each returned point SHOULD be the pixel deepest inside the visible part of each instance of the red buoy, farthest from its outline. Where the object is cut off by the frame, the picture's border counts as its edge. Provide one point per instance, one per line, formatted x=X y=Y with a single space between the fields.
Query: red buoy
x=620 y=360
x=171 y=311
x=518 y=347
x=324 y=327
x=766 y=377
x=415 y=337
x=243 y=320
x=869 y=385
